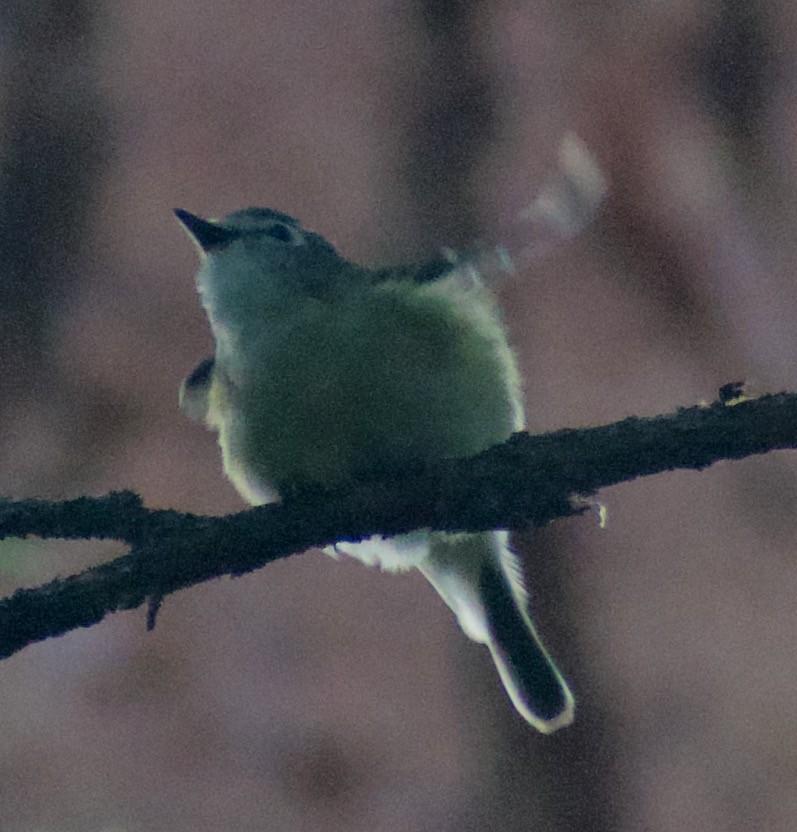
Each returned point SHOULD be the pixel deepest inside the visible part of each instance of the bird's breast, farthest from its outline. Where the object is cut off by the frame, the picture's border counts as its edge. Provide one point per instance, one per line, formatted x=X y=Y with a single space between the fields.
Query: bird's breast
x=336 y=391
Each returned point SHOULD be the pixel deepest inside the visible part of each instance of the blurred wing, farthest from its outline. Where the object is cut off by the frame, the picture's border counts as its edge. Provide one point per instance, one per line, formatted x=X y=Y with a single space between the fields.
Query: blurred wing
x=570 y=202
x=561 y=210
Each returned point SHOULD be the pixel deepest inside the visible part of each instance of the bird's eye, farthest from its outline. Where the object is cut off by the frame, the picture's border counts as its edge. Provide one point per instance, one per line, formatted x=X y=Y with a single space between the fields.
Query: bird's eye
x=279 y=232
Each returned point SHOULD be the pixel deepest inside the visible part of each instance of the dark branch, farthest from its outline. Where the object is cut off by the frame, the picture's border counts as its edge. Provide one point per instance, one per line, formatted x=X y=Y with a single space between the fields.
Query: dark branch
x=527 y=480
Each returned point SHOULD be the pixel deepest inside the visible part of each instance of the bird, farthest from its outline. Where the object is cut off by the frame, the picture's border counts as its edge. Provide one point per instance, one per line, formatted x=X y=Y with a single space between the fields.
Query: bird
x=327 y=372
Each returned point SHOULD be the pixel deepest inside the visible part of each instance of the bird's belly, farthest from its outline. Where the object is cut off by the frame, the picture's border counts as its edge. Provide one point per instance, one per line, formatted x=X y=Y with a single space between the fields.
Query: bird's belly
x=353 y=394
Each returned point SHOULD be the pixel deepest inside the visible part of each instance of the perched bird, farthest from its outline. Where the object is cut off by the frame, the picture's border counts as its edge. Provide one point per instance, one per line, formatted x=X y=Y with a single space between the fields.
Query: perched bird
x=325 y=371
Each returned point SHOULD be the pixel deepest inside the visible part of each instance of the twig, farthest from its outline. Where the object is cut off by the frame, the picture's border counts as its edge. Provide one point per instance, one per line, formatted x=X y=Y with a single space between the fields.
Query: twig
x=527 y=480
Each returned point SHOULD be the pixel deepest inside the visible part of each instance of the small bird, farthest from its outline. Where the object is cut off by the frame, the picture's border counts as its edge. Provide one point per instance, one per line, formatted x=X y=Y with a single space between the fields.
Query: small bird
x=326 y=371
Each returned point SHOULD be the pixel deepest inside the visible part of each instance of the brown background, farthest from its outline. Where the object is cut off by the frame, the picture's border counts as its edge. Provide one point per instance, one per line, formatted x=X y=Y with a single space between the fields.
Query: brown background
x=316 y=695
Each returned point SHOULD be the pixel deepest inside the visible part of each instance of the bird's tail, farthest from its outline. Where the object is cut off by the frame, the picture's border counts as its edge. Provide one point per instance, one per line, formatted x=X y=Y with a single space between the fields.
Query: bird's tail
x=478 y=577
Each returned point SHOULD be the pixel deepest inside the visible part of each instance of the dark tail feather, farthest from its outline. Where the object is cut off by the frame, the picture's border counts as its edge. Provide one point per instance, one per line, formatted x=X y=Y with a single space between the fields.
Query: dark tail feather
x=530 y=677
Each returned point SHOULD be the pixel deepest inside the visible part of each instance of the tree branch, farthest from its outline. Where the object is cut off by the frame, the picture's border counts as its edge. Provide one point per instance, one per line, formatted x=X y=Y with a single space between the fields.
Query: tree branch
x=527 y=480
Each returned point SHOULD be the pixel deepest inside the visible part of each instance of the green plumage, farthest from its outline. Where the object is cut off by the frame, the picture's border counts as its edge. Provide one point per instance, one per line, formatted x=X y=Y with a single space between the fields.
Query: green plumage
x=326 y=371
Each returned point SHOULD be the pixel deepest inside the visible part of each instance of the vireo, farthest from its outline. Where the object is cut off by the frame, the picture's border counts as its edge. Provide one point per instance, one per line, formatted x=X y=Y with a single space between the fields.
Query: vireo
x=325 y=370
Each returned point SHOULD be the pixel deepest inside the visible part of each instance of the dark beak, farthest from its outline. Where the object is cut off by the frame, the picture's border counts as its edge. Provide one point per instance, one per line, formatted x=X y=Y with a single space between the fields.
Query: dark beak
x=209 y=236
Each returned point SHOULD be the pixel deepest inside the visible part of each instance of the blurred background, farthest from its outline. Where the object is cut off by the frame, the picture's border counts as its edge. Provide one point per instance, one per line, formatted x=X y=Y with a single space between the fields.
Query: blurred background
x=316 y=695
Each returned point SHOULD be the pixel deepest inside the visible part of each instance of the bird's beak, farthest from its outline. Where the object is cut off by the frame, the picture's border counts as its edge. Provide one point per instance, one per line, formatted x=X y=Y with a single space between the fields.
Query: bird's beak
x=209 y=236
